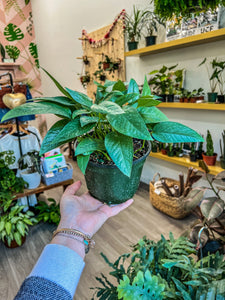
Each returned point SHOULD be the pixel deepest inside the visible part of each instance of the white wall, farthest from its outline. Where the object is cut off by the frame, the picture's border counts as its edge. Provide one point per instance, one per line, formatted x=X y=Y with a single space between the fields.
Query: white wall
x=58 y=25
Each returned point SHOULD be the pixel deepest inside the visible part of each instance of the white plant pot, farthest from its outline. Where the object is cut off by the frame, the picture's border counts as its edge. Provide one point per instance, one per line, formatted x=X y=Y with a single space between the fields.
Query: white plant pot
x=33 y=179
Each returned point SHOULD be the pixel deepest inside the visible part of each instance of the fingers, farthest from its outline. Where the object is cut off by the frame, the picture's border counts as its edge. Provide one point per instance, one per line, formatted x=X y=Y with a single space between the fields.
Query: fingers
x=73 y=188
x=112 y=211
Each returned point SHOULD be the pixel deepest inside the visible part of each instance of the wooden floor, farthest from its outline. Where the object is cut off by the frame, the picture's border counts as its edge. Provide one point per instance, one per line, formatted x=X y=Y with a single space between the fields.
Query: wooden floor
x=113 y=239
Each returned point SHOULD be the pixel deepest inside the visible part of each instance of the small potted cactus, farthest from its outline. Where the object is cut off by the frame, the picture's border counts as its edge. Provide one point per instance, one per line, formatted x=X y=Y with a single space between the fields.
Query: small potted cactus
x=209 y=156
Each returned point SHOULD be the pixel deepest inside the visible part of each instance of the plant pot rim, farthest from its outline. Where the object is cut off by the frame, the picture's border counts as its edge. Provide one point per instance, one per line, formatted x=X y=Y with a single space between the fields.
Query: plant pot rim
x=103 y=166
x=214 y=154
x=25 y=172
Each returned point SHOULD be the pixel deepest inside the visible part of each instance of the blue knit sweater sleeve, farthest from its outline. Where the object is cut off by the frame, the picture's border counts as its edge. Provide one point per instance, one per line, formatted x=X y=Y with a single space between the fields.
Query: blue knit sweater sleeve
x=55 y=275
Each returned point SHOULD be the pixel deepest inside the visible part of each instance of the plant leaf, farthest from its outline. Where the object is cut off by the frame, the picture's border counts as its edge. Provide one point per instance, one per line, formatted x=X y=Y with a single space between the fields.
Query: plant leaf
x=79 y=112
x=119 y=86
x=8 y=227
x=82 y=161
x=203 y=166
x=212 y=207
x=173 y=132
x=107 y=107
x=193 y=198
x=12 y=51
x=88 y=145
x=33 y=50
x=13 y=33
x=120 y=149
x=17 y=237
x=80 y=98
x=85 y=120
x=152 y=115
x=146 y=89
x=147 y=101
x=130 y=123
x=128 y=98
x=58 y=100
x=133 y=87
x=49 y=140
x=37 y=108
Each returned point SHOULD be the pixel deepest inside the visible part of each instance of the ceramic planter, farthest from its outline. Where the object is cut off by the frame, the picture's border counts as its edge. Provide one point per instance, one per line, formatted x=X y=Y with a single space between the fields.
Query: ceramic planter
x=14 y=243
x=220 y=98
x=222 y=162
x=209 y=160
x=33 y=179
x=212 y=97
x=109 y=185
x=132 y=45
x=150 y=40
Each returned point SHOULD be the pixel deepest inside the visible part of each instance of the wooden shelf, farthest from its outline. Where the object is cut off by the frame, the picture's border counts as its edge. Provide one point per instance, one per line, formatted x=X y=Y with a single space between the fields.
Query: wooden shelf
x=185 y=161
x=199 y=39
x=204 y=106
x=42 y=187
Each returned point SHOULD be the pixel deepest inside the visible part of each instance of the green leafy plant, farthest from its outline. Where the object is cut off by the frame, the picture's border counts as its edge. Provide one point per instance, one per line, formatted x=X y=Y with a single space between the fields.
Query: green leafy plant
x=107 y=127
x=134 y=24
x=30 y=161
x=100 y=74
x=48 y=213
x=152 y=23
x=108 y=64
x=167 y=9
x=209 y=144
x=166 y=269
x=13 y=33
x=85 y=79
x=12 y=51
x=14 y=224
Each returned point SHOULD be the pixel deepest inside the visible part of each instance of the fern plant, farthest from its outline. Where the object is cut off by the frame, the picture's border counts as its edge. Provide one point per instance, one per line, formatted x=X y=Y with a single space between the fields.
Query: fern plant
x=166 y=269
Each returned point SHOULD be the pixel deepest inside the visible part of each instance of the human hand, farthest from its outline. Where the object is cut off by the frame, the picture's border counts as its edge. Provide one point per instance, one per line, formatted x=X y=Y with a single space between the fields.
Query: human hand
x=84 y=212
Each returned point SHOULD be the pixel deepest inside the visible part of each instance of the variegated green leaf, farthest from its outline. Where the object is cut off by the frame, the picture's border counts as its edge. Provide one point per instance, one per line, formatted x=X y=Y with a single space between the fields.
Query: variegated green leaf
x=212 y=207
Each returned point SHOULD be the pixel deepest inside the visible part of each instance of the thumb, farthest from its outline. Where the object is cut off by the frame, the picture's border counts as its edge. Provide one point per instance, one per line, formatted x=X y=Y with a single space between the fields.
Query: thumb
x=73 y=188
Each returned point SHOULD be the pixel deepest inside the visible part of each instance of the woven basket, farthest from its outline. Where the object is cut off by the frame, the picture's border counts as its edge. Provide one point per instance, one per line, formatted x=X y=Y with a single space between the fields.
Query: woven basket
x=172 y=206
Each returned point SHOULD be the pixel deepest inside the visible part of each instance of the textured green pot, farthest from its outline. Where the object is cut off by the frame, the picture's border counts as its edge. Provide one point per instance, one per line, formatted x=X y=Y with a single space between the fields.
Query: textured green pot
x=132 y=45
x=109 y=185
x=212 y=97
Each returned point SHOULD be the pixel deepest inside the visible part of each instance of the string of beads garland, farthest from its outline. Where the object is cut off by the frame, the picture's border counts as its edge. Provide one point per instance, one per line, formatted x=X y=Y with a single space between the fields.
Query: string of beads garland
x=99 y=43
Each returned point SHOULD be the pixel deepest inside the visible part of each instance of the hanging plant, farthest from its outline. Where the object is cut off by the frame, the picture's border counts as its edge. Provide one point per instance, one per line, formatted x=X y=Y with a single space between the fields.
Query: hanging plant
x=85 y=79
x=100 y=74
x=166 y=9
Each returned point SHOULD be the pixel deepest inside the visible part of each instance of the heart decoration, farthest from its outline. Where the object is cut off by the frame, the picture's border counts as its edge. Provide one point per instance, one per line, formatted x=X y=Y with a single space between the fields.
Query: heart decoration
x=14 y=100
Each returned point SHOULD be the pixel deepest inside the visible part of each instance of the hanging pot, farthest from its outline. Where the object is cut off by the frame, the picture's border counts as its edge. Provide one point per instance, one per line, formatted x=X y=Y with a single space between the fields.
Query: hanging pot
x=109 y=185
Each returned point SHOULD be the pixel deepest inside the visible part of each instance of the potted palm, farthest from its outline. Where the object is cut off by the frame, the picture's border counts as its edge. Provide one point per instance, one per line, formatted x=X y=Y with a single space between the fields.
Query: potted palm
x=134 y=25
x=112 y=133
x=29 y=165
x=209 y=157
x=152 y=22
x=14 y=226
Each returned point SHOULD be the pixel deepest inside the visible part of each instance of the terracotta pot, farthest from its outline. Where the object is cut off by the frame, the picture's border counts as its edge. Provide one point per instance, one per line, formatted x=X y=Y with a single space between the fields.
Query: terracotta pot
x=14 y=243
x=164 y=151
x=200 y=98
x=186 y=100
x=209 y=160
x=105 y=65
x=181 y=99
x=193 y=99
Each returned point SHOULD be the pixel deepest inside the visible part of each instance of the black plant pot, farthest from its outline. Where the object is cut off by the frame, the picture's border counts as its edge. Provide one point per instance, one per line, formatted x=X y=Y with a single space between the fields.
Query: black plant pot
x=170 y=98
x=109 y=185
x=163 y=98
x=193 y=157
x=132 y=45
x=199 y=154
x=212 y=97
x=150 y=40
x=102 y=77
x=220 y=98
x=170 y=153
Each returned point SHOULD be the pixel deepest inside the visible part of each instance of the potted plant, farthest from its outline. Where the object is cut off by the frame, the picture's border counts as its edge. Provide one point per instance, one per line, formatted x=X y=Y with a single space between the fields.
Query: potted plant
x=85 y=79
x=109 y=65
x=167 y=9
x=154 y=146
x=100 y=74
x=152 y=21
x=164 y=148
x=134 y=25
x=193 y=153
x=179 y=150
x=209 y=156
x=208 y=230
x=48 y=212
x=29 y=165
x=85 y=60
x=112 y=133
x=165 y=269
x=214 y=79
x=14 y=226
x=220 y=66
x=200 y=150
x=222 y=149
x=170 y=151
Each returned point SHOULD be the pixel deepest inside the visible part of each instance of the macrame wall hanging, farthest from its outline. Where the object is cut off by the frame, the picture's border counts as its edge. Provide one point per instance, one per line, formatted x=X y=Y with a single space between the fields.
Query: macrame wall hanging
x=103 y=55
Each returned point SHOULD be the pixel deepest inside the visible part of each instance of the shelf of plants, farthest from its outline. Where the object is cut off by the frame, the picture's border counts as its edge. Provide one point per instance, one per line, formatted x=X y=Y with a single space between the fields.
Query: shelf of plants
x=204 y=106
x=185 y=161
x=207 y=37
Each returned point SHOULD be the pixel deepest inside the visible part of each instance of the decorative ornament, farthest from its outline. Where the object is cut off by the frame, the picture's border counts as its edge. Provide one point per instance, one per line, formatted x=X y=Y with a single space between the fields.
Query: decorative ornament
x=99 y=43
x=14 y=100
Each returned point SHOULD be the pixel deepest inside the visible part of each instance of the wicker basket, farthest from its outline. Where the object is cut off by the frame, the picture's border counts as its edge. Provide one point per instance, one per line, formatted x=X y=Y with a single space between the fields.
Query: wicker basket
x=172 y=206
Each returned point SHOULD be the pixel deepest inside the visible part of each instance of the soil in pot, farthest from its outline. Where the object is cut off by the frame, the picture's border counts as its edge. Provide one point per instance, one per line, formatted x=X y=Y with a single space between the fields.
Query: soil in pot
x=132 y=45
x=14 y=243
x=212 y=97
x=150 y=40
x=209 y=160
x=108 y=184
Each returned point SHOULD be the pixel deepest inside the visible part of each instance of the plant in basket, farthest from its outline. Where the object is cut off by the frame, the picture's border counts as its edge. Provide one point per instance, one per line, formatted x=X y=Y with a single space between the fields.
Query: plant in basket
x=209 y=230
x=164 y=269
x=209 y=156
x=113 y=133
